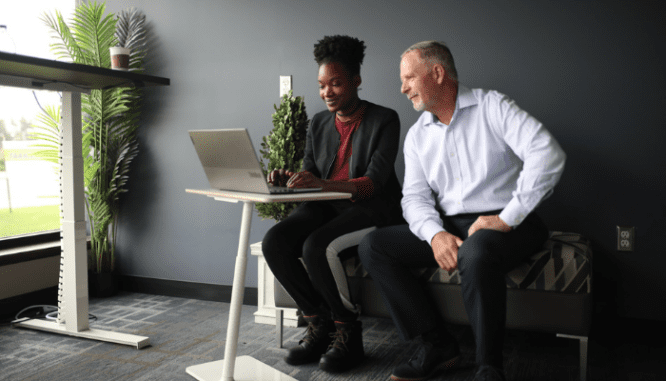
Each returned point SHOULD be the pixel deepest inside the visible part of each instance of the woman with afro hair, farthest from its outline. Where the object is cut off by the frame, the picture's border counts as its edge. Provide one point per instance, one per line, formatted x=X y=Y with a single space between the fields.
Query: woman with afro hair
x=351 y=147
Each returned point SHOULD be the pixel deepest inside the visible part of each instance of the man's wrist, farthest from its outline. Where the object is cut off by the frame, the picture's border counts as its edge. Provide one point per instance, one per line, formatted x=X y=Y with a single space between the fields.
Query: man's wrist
x=504 y=226
x=432 y=238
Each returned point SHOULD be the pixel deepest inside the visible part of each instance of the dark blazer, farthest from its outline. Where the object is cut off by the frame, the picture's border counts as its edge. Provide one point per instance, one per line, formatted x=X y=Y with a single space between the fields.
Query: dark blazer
x=374 y=149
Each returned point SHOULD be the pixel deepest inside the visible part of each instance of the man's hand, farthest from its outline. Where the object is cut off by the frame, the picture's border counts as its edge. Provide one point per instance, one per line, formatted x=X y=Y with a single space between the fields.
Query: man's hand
x=305 y=179
x=279 y=177
x=445 y=247
x=488 y=222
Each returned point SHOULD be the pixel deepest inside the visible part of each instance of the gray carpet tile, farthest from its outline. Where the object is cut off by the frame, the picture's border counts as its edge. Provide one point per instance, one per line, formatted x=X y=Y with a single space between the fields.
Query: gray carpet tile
x=186 y=332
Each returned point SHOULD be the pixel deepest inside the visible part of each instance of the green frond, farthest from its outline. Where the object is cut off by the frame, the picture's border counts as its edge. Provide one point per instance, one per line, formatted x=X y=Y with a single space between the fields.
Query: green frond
x=47 y=134
x=95 y=33
x=65 y=45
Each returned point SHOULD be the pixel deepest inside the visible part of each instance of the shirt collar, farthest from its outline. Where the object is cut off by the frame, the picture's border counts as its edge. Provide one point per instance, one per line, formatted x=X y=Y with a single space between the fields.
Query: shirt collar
x=464 y=98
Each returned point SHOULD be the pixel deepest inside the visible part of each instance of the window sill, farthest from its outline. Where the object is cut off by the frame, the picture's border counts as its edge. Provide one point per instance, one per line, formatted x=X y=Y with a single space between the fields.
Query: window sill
x=30 y=247
x=29 y=253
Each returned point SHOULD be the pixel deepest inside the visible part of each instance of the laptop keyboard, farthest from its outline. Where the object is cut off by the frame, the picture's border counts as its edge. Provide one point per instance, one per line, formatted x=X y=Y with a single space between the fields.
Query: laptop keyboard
x=276 y=189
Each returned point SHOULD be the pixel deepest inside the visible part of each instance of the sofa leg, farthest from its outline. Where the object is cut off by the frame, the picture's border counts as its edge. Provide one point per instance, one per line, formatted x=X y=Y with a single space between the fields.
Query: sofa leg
x=279 y=320
x=583 y=353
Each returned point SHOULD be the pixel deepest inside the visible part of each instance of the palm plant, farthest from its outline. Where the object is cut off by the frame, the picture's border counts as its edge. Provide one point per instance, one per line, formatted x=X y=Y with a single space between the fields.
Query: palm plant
x=110 y=117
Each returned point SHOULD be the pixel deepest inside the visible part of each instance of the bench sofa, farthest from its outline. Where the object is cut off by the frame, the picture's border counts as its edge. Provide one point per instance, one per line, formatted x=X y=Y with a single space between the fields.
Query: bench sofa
x=550 y=292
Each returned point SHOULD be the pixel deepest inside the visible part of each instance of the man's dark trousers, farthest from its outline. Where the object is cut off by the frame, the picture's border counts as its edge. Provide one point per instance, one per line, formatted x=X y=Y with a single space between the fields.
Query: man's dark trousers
x=483 y=261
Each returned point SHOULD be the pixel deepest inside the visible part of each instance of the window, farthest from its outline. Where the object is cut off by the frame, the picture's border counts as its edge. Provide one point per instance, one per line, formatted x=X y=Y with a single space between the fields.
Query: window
x=29 y=187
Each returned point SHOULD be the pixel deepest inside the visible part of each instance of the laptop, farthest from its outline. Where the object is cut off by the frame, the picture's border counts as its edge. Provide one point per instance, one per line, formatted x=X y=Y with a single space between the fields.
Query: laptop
x=230 y=162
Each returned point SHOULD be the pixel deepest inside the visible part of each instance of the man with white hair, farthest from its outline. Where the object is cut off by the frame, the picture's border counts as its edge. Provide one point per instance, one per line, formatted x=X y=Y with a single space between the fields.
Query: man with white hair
x=476 y=167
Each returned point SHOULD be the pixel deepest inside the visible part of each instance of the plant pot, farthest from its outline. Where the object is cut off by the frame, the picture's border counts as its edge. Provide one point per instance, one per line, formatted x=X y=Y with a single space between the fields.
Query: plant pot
x=103 y=285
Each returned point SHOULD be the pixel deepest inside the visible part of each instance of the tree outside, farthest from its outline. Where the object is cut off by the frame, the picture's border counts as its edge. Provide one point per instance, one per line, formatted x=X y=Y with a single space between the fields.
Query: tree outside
x=29 y=188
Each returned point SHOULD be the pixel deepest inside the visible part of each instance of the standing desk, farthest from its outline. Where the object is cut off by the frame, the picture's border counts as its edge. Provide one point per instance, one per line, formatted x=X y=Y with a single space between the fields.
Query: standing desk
x=246 y=367
x=72 y=79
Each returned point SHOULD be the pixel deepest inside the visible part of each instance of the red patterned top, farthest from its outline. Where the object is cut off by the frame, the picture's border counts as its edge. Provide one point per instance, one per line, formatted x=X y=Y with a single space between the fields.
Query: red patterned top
x=340 y=172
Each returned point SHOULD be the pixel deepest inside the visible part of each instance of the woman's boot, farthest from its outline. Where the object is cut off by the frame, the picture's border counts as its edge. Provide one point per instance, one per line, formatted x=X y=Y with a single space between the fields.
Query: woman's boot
x=315 y=342
x=346 y=349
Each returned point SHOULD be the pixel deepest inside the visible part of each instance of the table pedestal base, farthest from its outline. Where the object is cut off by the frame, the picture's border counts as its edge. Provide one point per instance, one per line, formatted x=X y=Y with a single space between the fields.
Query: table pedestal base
x=91 y=333
x=246 y=368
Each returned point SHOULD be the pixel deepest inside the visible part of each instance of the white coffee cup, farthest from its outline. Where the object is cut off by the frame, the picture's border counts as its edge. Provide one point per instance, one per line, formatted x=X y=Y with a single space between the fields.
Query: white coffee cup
x=119 y=58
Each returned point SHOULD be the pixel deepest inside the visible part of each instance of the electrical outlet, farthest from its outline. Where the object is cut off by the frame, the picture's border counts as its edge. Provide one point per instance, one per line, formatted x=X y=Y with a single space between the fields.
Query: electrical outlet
x=285 y=84
x=626 y=238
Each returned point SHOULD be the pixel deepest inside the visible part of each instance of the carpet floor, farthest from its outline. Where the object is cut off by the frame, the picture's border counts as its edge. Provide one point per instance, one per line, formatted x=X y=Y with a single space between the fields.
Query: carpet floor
x=185 y=332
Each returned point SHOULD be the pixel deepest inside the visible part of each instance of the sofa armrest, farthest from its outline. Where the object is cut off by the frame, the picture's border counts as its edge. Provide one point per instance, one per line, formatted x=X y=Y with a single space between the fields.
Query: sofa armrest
x=282 y=298
x=334 y=248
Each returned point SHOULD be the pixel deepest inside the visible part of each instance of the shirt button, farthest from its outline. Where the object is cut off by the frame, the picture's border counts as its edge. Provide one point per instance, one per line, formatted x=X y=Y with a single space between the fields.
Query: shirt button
x=453 y=154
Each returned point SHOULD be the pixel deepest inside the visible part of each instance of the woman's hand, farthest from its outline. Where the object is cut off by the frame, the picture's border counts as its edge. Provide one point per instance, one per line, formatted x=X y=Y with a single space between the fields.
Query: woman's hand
x=305 y=179
x=279 y=177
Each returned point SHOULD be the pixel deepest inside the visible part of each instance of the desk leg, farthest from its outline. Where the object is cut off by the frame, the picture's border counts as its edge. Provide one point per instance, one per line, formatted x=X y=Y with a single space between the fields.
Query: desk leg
x=237 y=294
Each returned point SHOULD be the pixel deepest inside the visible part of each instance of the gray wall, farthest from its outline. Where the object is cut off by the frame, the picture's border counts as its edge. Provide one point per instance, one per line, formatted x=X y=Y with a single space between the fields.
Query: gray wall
x=592 y=71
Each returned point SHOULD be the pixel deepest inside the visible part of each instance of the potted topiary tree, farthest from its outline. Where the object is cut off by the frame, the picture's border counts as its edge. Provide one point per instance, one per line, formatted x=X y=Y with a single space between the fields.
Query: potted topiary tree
x=284 y=148
x=110 y=120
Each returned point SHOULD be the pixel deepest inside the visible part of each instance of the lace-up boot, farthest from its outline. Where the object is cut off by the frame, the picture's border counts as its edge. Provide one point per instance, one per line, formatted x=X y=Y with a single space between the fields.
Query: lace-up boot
x=346 y=349
x=427 y=361
x=315 y=342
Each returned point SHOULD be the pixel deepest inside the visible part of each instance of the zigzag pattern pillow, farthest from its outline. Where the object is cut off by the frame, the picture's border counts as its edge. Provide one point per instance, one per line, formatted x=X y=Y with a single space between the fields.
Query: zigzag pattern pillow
x=563 y=265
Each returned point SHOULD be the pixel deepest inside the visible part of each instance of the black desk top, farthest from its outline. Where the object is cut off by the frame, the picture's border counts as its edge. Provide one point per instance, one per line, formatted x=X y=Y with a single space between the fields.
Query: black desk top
x=43 y=74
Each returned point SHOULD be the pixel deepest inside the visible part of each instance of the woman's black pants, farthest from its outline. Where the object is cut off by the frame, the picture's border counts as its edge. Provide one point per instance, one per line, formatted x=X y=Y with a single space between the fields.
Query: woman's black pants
x=306 y=233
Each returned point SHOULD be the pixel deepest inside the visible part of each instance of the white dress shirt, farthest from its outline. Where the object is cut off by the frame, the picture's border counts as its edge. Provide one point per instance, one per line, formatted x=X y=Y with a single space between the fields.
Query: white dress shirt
x=492 y=156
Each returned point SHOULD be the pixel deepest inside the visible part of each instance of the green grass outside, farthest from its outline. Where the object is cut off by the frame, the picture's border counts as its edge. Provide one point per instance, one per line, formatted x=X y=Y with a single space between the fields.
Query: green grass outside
x=29 y=220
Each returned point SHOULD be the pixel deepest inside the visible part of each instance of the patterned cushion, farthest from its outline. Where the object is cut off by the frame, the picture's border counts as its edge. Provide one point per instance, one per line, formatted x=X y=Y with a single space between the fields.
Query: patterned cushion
x=563 y=265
